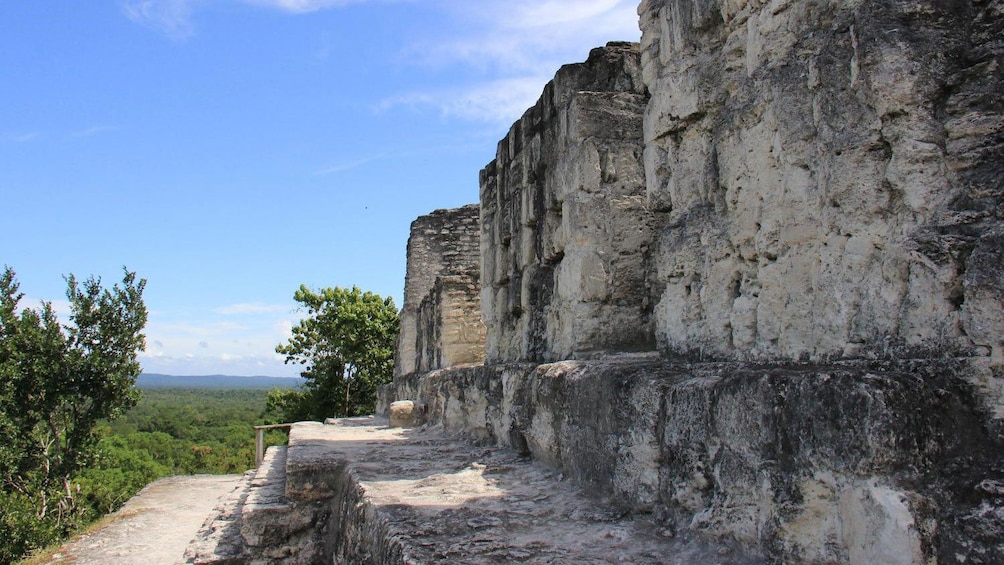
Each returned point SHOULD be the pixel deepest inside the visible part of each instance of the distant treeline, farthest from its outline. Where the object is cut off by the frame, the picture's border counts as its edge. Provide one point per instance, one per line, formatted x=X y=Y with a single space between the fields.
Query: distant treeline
x=220 y=382
x=170 y=431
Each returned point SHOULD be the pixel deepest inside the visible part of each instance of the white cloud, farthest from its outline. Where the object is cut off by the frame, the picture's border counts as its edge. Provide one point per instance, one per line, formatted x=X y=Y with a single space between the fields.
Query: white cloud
x=61 y=307
x=21 y=137
x=249 y=308
x=303 y=6
x=92 y=131
x=191 y=344
x=224 y=364
x=517 y=46
x=494 y=101
x=510 y=47
x=348 y=165
x=173 y=17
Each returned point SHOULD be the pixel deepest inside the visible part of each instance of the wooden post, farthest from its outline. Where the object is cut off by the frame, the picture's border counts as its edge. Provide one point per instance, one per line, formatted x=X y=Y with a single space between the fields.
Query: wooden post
x=259 y=441
x=259 y=446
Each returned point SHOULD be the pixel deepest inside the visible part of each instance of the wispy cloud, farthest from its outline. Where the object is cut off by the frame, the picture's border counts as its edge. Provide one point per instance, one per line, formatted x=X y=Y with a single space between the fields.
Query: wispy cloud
x=303 y=6
x=196 y=345
x=21 y=137
x=249 y=308
x=172 y=17
x=91 y=131
x=501 y=51
x=61 y=307
x=348 y=165
x=493 y=101
x=517 y=46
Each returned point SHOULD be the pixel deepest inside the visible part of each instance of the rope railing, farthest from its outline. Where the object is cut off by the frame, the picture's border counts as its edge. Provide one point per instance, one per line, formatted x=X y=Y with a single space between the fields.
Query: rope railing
x=259 y=441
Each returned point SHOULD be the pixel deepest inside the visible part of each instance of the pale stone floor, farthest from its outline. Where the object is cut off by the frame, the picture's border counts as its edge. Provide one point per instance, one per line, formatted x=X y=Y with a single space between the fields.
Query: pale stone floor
x=154 y=527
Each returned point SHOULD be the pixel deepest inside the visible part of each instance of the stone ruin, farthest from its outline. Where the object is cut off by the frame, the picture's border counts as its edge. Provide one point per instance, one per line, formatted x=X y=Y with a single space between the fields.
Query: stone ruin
x=746 y=277
x=440 y=320
x=732 y=295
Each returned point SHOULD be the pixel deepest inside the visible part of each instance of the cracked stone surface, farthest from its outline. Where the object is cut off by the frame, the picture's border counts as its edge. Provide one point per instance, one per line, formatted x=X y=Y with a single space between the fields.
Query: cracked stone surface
x=154 y=527
x=418 y=496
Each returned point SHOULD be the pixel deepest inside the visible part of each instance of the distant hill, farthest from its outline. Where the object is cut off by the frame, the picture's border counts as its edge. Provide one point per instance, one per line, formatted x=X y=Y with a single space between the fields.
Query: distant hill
x=154 y=380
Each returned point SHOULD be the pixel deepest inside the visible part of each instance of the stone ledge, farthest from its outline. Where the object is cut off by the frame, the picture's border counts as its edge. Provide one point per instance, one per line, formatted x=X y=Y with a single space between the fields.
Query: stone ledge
x=808 y=463
x=419 y=496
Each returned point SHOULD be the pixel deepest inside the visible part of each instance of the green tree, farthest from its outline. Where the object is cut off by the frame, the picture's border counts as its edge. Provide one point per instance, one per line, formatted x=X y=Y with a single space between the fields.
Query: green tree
x=56 y=383
x=346 y=344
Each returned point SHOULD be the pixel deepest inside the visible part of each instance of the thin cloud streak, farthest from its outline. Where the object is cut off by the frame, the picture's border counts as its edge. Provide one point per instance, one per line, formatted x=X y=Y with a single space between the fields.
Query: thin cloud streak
x=498 y=101
x=249 y=308
x=91 y=131
x=303 y=6
x=22 y=137
x=171 y=17
x=347 y=166
x=174 y=17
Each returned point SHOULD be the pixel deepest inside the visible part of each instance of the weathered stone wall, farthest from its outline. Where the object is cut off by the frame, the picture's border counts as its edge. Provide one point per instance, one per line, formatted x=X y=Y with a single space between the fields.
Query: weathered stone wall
x=823 y=217
x=827 y=174
x=443 y=245
x=565 y=229
x=451 y=332
x=852 y=462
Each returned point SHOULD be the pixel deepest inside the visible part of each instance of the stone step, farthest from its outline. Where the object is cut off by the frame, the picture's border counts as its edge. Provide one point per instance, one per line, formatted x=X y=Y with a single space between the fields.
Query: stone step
x=219 y=540
x=417 y=495
x=248 y=522
x=358 y=491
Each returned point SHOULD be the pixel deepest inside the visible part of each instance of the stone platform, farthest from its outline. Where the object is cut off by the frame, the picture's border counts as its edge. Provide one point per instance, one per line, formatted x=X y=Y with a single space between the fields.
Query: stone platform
x=358 y=491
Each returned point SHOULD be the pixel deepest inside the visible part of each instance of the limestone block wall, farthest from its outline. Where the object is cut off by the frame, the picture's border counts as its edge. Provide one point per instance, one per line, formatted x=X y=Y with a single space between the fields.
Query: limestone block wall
x=827 y=176
x=444 y=247
x=565 y=229
x=451 y=332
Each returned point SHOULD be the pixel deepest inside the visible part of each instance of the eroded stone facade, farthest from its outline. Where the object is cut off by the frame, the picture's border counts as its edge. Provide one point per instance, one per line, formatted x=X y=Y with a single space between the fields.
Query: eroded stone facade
x=829 y=175
x=440 y=319
x=565 y=230
x=800 y=206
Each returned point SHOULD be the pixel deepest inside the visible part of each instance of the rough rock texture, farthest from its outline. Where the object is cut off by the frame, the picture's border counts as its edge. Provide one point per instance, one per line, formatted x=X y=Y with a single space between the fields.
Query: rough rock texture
x=419 y=496
x=446 y=329
x=859 y=462
x=281 y=514
x=153 y=527
x=827 y=176
x=565 y=232
x=449 y=320
x=823 y=183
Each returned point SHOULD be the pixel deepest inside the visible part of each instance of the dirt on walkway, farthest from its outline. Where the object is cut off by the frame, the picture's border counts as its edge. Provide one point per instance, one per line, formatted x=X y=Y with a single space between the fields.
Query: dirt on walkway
x=154 y=527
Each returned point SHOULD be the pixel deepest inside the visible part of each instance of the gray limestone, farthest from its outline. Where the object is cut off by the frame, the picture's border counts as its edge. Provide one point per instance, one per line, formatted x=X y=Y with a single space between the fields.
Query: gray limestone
x=565 y=231
x=440 y=320
x=760 y=257
x=856 y=461
x=827 y=175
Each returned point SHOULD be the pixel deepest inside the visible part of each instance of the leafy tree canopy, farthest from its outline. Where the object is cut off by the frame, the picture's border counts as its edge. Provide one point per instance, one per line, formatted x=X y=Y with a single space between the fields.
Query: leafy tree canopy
x=56 y=383
x=346 y=344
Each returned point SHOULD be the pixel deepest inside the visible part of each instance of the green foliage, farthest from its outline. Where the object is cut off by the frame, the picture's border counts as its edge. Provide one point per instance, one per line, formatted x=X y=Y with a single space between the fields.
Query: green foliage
x=118 y=472
x=347 y=347
x=56 y=383
x=23 y=530
x=190 y=431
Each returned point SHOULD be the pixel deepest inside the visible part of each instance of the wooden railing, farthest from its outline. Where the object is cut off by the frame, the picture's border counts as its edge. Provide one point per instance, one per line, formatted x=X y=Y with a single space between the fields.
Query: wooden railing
x=259 y=441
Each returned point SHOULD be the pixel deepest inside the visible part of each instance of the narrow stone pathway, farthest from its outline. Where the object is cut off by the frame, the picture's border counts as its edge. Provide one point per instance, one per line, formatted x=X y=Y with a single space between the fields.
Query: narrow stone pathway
x=154 y=527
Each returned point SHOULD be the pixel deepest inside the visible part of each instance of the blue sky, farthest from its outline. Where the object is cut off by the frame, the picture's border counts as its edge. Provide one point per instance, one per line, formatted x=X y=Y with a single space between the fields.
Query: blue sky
x=230 y=150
